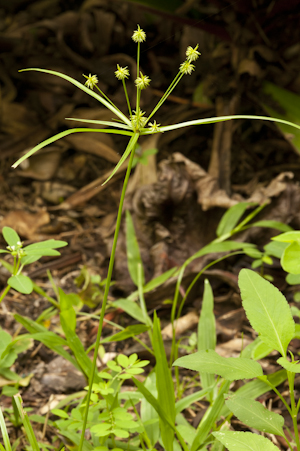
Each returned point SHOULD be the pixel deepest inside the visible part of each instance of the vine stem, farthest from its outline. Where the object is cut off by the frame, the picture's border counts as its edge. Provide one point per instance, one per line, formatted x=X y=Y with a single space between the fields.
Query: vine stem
x=107 y=286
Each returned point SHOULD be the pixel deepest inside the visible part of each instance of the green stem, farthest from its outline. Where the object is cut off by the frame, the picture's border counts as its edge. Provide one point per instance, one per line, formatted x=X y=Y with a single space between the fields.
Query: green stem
x=127 y=99
x=4 y=293
x=266 y=381
x=166 y=94
x=291 y=378
x=107 y=286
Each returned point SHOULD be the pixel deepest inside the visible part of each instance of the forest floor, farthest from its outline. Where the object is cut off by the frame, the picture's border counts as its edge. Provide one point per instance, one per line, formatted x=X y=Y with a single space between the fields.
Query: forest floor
x=178 y=198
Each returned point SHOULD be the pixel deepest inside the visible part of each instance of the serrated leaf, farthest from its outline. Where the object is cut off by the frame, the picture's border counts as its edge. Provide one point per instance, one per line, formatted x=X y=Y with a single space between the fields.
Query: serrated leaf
x=244 y=441
x=267 y=310
x=231 y=217
x=255 y=415
x=293 y=367
x=229 y=368
x=290 y=260
x=21 y=283
x=10 y=236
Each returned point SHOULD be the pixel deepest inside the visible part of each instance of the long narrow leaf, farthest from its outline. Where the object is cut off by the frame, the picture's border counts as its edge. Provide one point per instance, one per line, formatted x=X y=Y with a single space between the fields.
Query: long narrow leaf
x=210 y=417
x=26 y=423
x=4 y=432
x=165 y=387
x=62 y=135
x=213 y=120
x=207 y=330
x=94 y=121
x=129 y=148
x=231 y=217
x=85 y=89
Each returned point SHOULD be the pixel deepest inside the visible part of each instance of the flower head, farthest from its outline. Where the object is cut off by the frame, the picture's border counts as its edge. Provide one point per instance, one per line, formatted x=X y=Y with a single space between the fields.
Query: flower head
x=186 y=68
x=154 y=127
x=192 y=54
x=138 y=120
x=122 y=72
x=139 y=35
x=91 y=80
x=142 y=81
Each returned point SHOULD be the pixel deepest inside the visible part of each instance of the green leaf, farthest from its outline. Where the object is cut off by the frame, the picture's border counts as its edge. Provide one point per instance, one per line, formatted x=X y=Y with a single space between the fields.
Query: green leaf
x=244 y=441
x=77 y=348
x=267 y=310
x=10 y=236
x=225 y=246
x=131 y=308
x=293 y=279
x=207 y=330
x=290 y=260
x=288 y=108
x=255 y=415
x=133 y=251
x=130 y=147
x=275 y=249
x=188 y=400
x=287 y=237
x=229 y=368
x=293 y=367
x=148 y=412
x=159 y=280
x=21 y=283
x=85 y=89
x=231 y=217
x=165 y=386
x=45 y=248
x=272 y=225
x=210 y=417
x=130 y=331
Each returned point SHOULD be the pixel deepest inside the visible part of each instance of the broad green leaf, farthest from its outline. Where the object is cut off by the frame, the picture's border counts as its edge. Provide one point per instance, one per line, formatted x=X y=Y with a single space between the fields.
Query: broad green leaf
x=287 y=237
x=261 y=350
x=130 y=331
x=290 y=260
x=21 y=283
x=45 y=248
x=275 y=248
x=231 y=217
x=133 y=251
x=267 y=310
x=207 y=330
x=229 y=368
x=293 y=367
x=10 y=236
x=244 y=441
x=210 y=417
x=255 y=415
x=28 y=259
x=131 y=308
x=288 y=108
x=293 y=279
x=272 y=225
x=164 y=384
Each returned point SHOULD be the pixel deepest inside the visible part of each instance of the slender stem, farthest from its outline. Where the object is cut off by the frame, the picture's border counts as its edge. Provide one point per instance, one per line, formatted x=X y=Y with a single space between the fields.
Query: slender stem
x=4 y=292
x=266 y=381
x=127 y=98
x=291 y=378
x=107 y=98
x=166 y=94
x=105 y=296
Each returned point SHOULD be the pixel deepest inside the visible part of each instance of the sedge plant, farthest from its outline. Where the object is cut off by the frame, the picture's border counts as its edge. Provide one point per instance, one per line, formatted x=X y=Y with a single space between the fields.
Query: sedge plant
x=133 y=124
